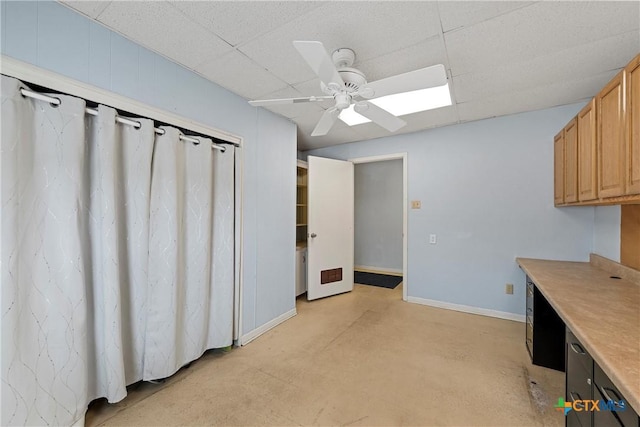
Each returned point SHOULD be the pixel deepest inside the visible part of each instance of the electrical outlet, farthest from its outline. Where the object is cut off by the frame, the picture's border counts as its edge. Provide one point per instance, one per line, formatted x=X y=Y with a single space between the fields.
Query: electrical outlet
x=509 y=289
x=416 y=204
x=433 y=239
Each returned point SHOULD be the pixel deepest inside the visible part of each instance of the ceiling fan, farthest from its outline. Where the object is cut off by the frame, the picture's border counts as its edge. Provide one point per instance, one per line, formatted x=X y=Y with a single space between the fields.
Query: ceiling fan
x=347 y=85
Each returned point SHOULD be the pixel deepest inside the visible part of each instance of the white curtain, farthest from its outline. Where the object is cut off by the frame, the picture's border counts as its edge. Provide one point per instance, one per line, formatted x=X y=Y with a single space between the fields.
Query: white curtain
x=92 y=212
x=44 y=292
x=223 y=255
x=118 y=172
x=180 y=253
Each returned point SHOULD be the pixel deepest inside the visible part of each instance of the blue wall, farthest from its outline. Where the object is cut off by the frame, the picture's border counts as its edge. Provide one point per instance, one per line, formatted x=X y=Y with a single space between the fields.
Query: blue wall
x=606 y=232
x=54 y=37
x=487 y=193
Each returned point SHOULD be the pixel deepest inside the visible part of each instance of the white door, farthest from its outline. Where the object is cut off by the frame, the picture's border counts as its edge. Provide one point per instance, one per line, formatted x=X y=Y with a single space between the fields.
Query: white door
x=330 y=227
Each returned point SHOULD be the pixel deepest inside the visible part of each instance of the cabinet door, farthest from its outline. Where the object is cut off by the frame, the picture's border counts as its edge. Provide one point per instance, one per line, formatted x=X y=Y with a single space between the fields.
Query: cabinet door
x=558 y=168
x=606 y=391
x=579 y=384
x=611 y=138
x=632 y=81
x=579 y=389
x=587 y=184
x=571 y=162
x=576 y=353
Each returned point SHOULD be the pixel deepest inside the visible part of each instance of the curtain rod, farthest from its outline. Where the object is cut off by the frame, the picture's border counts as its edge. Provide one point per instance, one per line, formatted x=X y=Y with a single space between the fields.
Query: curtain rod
x=94 y=112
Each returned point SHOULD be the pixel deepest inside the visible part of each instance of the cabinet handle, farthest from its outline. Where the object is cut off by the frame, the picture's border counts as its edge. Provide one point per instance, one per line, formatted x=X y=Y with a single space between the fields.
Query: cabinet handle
x=608 y=398
x=573 y=398
x=576 y=348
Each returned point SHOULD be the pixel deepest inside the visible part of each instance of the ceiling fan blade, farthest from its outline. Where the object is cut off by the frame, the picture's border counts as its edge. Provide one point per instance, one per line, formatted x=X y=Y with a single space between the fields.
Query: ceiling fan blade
x=423 y=78
x=326 y=122
x=318 y=59
x=267 y=102
x=379 y=116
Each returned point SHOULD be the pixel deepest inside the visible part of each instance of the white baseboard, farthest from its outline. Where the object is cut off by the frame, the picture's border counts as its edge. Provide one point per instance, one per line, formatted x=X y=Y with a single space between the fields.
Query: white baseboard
x=370 y=269
x=247 y=338
x=468 y=309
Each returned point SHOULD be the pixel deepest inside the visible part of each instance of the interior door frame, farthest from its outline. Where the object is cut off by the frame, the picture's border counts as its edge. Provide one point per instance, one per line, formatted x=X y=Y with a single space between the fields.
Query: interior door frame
x=403 y=157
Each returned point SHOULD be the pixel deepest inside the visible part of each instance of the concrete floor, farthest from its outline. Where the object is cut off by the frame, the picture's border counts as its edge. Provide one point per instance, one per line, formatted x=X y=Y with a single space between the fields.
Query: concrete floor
x=362 y=358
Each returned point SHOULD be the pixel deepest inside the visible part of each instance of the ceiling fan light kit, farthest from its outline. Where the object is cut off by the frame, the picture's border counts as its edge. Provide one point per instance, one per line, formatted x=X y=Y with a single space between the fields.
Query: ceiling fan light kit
x=351 y=92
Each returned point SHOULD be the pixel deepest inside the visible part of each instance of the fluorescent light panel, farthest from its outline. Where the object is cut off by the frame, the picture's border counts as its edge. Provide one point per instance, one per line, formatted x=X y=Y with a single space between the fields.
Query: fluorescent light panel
x=400 y=104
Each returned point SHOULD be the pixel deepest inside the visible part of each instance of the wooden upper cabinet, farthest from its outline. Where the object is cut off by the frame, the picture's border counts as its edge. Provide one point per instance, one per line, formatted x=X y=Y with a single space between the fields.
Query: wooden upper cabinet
x=558 y=168
x=632 y=81
x=571 y=162
x=610 y=119
x=597 y=154
x=587 y=177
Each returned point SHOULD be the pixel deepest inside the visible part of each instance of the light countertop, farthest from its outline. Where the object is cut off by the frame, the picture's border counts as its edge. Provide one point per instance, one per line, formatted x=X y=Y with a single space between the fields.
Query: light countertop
x=603 y=313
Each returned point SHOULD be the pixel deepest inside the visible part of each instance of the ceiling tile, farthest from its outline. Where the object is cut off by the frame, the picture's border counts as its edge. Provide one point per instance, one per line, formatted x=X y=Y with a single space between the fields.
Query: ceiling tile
x=536 y=30
x=430 y=119
x=578 y=62
x=420 y=55
x=338 y=135
x=557 y=93
x=369 y=28
x=456 y=14
x=239 y=21
x=90 y=8
x=309 y=87
x=241 y=75
x=162 y=28
x=293 y=110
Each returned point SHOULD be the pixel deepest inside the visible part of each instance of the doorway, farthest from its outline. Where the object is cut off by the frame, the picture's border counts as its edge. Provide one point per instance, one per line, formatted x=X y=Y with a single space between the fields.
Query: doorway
x=381 y=215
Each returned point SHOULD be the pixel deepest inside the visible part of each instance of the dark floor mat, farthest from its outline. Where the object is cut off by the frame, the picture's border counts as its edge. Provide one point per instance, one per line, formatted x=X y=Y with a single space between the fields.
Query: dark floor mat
x=374 y=279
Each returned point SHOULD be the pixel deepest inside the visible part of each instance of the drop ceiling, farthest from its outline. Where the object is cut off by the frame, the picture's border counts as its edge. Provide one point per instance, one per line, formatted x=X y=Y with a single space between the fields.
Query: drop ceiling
x=501 y=57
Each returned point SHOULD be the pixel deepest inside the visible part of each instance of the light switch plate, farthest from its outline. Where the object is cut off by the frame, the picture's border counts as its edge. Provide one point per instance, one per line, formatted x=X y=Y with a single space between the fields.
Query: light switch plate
x=416 y=204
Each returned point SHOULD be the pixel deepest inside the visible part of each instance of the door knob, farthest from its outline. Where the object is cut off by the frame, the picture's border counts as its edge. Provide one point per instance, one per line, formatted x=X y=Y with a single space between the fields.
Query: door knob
x=313 y=235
